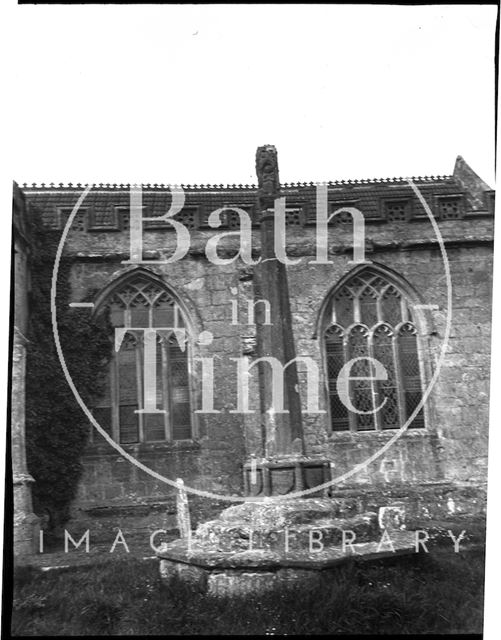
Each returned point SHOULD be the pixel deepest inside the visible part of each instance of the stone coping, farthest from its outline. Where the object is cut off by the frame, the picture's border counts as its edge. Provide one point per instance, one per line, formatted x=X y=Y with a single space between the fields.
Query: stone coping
x=404 y=543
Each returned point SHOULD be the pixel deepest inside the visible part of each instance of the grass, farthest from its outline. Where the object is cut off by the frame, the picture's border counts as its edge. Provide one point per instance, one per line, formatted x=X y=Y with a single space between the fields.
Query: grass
x=441 y=593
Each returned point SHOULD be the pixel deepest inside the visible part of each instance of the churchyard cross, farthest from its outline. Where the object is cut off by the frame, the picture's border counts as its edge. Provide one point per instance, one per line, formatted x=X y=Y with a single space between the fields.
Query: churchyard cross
x=282 y=432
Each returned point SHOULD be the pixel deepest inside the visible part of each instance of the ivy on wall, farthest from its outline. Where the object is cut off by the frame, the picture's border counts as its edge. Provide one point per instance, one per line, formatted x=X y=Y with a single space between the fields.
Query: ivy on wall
x=56 y=427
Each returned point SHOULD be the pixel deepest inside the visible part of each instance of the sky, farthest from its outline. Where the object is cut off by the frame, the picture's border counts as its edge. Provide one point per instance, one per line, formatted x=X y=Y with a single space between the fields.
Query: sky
x=185 y=94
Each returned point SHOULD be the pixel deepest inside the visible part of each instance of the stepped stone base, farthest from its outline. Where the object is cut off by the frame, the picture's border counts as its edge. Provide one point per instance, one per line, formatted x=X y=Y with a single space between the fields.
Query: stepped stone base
x=286 y=474
x=258 y=546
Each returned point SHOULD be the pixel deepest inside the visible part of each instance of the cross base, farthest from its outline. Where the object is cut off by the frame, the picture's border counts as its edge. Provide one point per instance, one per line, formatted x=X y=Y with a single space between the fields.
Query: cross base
x=284 y=475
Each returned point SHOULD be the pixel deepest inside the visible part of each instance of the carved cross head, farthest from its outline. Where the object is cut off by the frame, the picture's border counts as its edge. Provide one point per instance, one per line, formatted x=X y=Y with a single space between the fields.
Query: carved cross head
x=267 y=175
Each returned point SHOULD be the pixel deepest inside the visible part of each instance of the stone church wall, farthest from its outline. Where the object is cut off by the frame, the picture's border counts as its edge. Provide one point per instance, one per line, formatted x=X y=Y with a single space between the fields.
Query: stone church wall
x=452 y=448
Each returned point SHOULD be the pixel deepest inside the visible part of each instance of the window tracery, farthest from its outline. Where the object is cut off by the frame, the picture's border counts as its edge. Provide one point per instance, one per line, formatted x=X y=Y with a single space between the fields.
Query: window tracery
x=370 y=317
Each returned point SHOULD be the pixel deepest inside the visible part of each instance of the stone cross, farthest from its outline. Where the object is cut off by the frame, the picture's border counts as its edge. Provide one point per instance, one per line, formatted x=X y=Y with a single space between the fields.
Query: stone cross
x=282 y=432
x=182 y=511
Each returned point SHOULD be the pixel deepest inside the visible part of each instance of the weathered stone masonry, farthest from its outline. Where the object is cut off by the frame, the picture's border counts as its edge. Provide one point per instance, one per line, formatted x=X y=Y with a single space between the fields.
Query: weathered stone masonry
x=26 y=523
x=449 y=454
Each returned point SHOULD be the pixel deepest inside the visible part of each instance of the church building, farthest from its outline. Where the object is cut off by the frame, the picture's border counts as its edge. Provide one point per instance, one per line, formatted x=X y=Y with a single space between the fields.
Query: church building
x=415 y=296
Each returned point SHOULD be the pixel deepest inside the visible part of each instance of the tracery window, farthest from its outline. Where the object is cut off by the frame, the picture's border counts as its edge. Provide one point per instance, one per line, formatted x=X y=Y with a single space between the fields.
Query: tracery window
x=370 y=317
x=143 y=302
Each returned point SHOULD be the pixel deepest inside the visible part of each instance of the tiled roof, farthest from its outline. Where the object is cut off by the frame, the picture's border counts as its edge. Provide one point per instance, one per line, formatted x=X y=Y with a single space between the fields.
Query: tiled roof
x=383 y=199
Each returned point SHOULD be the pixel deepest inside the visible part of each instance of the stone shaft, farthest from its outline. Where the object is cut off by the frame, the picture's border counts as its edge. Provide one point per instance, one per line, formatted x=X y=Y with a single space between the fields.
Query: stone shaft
x=282 y=432
x=182 y=511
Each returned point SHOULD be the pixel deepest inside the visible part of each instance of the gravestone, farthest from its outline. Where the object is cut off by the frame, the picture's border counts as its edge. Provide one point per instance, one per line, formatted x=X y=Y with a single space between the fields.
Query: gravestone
x=182 y=511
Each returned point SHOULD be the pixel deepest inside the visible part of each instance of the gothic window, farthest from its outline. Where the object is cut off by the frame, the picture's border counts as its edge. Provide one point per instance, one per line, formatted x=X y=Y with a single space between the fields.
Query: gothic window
x=143 y=303
x=370 y=317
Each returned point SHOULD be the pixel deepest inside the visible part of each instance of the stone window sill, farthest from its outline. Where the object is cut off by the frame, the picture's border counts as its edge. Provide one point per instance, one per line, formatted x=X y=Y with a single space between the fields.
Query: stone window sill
x=387 y=434
x=143 y=447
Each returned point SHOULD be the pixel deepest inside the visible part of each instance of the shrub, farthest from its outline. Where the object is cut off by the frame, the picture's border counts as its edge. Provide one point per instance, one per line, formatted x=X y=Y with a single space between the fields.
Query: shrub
x=56 y=428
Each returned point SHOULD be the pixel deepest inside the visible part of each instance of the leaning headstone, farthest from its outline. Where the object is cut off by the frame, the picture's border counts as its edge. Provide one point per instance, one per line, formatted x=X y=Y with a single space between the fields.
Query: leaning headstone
x=182 y=511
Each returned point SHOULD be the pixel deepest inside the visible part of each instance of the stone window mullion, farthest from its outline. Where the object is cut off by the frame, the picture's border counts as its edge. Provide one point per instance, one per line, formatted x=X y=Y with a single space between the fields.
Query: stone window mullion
x=379 y=309
x=376 y=399
x=139 y=350
x=115 y=399
x=166 y=389
x=400 y=383
x=404 y=310
x=356 y=309
x=352 y=418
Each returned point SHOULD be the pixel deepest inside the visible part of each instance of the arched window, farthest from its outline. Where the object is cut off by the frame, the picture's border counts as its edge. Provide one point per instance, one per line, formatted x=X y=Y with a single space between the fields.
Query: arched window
x=140 y=303
x=371 y=317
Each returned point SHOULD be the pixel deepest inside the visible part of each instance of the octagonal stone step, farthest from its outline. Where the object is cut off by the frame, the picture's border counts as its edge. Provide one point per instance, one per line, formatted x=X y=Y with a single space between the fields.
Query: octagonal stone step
x=230 y=573
x=235 y=535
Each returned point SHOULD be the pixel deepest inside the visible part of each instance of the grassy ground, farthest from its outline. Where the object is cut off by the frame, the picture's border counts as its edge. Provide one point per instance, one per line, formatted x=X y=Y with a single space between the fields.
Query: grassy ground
x=439 y=593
